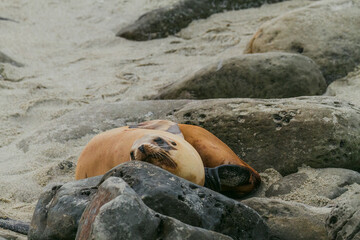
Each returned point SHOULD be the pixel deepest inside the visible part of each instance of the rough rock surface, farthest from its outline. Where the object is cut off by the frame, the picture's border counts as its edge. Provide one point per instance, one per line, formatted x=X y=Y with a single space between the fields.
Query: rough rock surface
x=290 y=220
x=117 y=212
x=344 y=219
x=163 y=22
x=316 y=187
x=346 y=88
x=59 y=209
x=267 y=75
x=190 y=203
x=280 y=133
x=317 y=31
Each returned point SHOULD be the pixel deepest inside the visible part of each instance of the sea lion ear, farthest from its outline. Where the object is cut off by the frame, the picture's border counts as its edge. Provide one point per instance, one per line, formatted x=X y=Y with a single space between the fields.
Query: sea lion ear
x=161 y=125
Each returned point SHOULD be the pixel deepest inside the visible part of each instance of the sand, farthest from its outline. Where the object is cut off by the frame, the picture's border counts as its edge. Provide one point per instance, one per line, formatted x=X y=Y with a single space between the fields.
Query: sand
x=73 y=59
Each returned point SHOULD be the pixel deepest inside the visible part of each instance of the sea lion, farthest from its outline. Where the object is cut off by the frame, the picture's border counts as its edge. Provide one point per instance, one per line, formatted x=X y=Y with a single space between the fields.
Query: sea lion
x=225 y=171
x=161 y=148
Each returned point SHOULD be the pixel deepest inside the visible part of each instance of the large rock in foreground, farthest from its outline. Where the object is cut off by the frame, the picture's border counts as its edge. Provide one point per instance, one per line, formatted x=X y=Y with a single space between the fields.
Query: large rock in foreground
x=117 y=212
x=172 y=199
x=268 y=75
x=328 y=32
x=163 y=22
x=194 y=205
x=59 y=209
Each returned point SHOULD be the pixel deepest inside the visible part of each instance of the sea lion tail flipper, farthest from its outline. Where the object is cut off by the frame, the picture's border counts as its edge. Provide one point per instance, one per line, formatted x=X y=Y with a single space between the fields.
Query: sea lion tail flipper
x=231 y=180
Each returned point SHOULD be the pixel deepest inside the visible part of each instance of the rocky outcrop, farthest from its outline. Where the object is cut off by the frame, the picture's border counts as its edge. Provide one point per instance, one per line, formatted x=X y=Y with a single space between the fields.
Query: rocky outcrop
x=316 y=187
x=190 y=203
x=280 y=133
x=163 y=22
x=178 y=208
x=117 y=212
x=59 y=209
x=268 y=75
x=344 y=219
x=290 y=220
x=317 y=31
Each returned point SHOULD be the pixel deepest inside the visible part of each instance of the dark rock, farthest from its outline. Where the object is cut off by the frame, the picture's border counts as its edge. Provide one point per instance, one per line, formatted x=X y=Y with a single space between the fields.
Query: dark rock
x=317 y=31
x=344 y=220
x=268 y=75
x=163 y=22
x=314 y=186
x=172 y=196
x=291 y=220
x=286 y=184
x=59 y=209
x=6 y=59
x=117 y=212
x=14 y=225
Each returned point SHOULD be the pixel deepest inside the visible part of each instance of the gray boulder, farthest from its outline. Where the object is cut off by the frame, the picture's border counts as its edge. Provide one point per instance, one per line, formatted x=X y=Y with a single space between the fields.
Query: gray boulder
x=175 y=197
x=344 y=219
x=268 y=75
x=59 y=209
x=117 y=212
x=327 y=31
x=282 y=134
x=291 y=220
x=316 y=187
x=163 y=22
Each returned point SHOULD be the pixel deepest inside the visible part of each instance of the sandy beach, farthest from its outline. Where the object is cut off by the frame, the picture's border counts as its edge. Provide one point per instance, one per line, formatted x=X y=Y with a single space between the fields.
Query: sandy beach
x=72 y=59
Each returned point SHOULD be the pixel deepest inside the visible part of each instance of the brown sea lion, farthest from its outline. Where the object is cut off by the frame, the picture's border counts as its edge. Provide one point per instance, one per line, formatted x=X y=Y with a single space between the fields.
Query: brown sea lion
x=166 y=150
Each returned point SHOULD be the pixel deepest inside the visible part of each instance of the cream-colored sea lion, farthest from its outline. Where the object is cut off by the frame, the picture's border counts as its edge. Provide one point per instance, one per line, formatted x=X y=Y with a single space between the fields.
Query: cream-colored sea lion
x=161 y=148
x=225 y=172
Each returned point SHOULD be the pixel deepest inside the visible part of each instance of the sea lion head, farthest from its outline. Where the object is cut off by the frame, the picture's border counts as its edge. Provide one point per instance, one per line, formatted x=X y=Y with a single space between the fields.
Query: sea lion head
x=171 y=153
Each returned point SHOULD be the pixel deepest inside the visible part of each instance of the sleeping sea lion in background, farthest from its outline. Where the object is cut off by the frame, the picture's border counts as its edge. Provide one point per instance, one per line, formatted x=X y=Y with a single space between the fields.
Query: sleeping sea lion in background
x=161 y=148
x=225 y=172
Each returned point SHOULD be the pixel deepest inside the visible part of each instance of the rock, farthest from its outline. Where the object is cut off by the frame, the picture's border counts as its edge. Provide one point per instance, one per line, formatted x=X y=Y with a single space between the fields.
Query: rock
x=282 y=134
x=316 y=187
x=344 y=219
x=347 y=88
x=175 y=197
x=59 y=209
x=327 y=31
x=268 y=75
x=14 y=225
x=291 y=220
x=117 y=212
x=6 y=59
x=167 y=21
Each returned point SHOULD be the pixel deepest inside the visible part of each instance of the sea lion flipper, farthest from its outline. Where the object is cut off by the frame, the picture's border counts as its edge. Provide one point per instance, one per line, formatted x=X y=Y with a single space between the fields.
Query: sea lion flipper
x=161 y=125
x=226 y=177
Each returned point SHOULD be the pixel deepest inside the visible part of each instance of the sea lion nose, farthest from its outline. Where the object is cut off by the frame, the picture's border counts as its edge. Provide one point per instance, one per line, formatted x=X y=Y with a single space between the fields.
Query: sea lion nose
x=142 y=149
